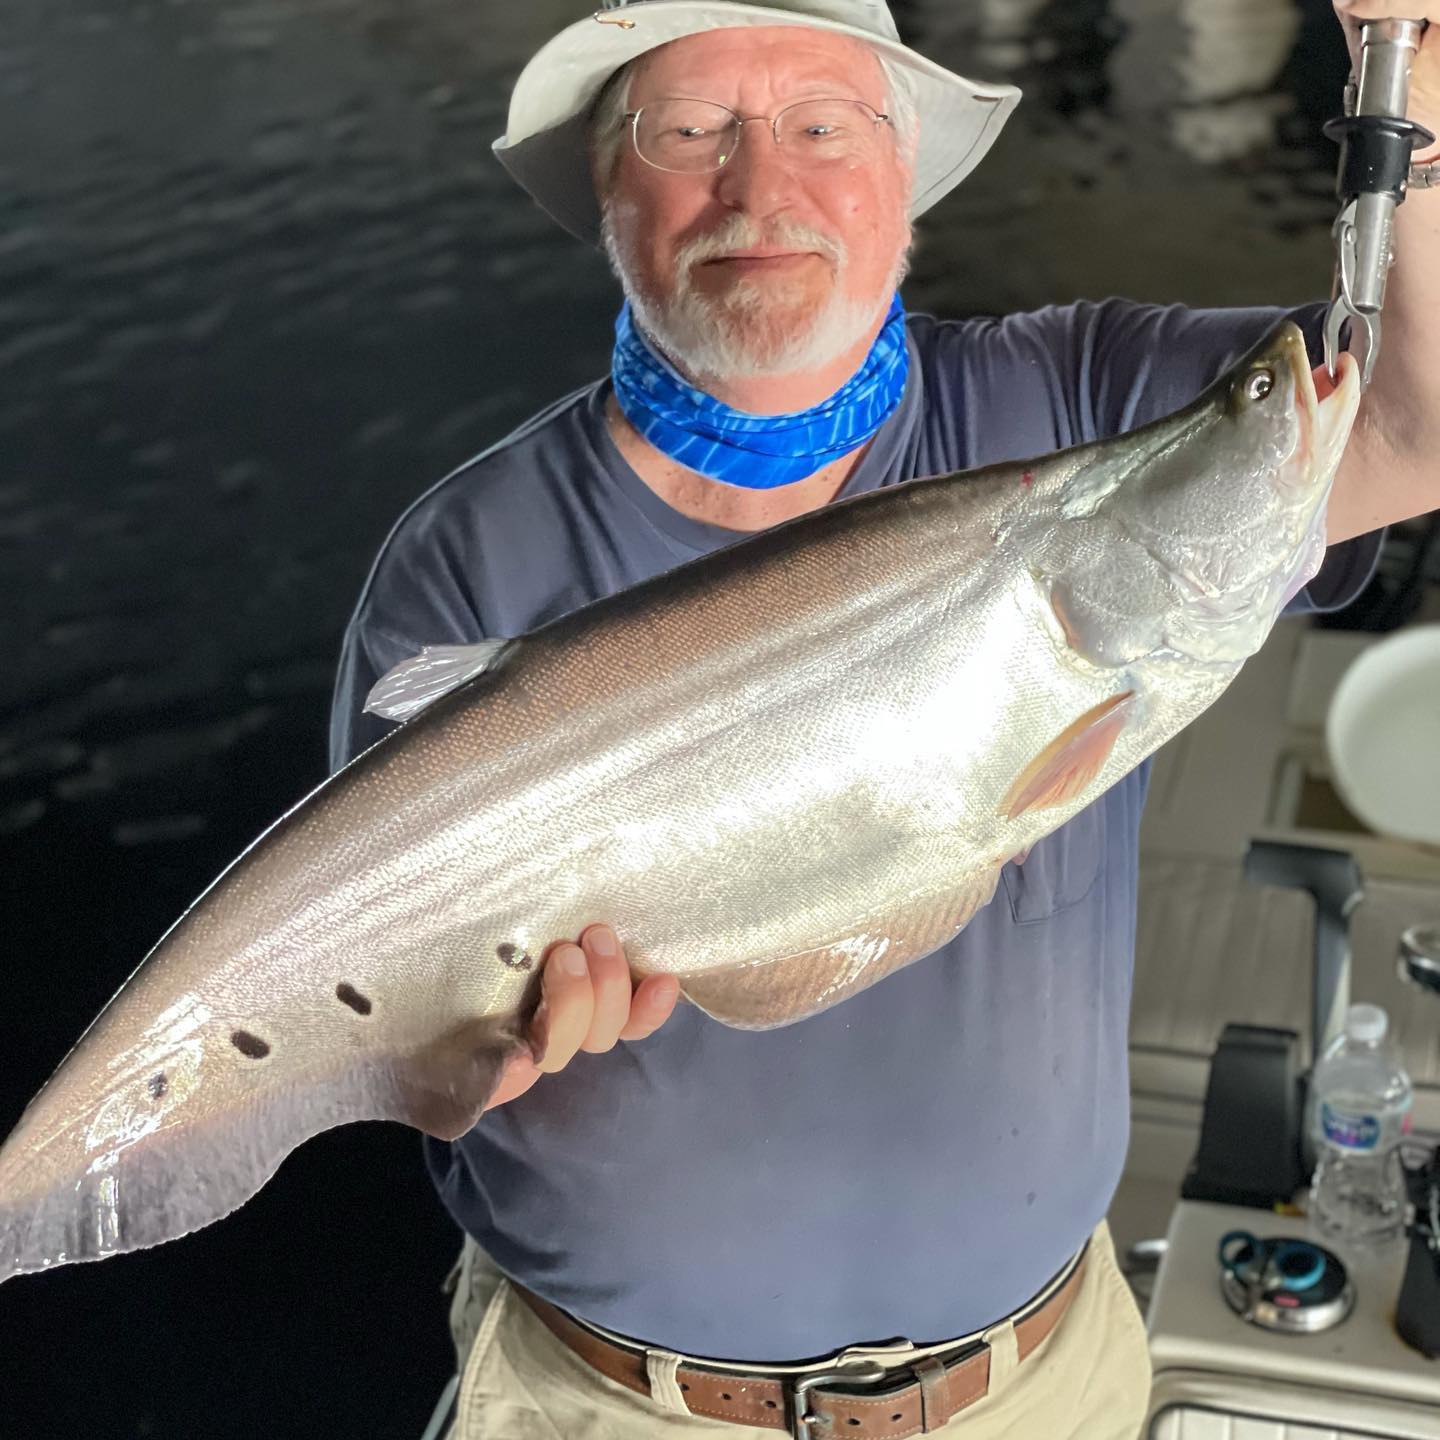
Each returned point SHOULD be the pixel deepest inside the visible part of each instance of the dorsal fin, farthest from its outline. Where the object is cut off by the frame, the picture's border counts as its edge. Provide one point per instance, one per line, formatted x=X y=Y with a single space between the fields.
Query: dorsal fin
x=435 y=671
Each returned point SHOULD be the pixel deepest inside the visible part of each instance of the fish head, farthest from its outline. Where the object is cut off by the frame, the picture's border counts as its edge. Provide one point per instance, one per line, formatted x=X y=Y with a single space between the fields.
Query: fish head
x=1228 y=498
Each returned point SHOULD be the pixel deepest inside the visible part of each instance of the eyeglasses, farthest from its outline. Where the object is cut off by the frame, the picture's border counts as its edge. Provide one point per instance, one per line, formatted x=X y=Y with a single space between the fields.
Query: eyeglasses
x=691 y=137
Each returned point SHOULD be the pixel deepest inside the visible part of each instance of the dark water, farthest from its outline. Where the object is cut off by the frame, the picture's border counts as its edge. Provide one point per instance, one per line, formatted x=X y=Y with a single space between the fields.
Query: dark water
x=260 y=283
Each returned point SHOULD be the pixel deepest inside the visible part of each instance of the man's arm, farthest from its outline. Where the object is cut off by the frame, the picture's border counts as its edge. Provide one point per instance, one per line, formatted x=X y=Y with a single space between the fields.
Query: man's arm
x=1391 y=466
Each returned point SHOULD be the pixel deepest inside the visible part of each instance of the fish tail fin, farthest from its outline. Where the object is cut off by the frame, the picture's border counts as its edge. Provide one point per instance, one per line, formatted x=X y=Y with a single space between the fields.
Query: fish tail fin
x=67 y=1195
x=58 y=1206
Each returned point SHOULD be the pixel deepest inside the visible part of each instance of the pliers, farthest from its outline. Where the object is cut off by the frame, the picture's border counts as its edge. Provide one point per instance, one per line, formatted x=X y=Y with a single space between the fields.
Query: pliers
x=1376 y=140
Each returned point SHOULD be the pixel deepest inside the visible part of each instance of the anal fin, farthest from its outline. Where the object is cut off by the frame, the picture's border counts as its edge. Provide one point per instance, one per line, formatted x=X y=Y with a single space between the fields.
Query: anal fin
x=443 y=1090
x=778 y=992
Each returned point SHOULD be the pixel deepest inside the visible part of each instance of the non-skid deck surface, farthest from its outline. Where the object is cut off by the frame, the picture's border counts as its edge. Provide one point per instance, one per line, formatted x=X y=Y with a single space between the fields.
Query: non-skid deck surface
x=1212 y=948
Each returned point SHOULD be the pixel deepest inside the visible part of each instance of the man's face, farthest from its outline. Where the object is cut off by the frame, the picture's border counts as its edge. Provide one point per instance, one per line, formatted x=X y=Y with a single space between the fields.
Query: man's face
x=764 y=266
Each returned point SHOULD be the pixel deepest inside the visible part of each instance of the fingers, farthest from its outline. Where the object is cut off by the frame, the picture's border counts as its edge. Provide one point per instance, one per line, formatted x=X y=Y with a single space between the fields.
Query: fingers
x=610 y=978
x=1363 y=10
x=654 y=1000
x=1352 y=14
x=567 y=1005
x=623 y=1010
x=589 y=1001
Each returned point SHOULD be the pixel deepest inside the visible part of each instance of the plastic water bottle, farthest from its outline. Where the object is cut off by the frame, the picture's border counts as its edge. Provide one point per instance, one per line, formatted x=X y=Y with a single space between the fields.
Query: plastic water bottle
x=1360 y=1103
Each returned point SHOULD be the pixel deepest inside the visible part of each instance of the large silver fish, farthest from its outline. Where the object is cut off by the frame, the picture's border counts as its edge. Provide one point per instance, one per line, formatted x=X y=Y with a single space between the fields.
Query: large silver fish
x=782 y=772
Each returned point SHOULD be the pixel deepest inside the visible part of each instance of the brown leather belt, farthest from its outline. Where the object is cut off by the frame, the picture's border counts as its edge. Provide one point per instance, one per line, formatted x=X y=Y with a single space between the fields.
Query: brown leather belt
x=924 y=1392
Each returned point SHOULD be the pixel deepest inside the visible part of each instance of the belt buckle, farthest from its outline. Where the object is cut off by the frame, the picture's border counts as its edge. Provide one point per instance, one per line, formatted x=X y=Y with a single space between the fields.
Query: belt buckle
x=856 y=1365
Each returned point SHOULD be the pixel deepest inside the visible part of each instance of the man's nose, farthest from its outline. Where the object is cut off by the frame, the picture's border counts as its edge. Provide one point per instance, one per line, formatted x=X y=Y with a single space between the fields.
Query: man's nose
x=757 y=178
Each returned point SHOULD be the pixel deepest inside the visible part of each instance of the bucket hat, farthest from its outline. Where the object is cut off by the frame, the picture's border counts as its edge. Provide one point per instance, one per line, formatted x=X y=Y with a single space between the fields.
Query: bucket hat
x=544 y=144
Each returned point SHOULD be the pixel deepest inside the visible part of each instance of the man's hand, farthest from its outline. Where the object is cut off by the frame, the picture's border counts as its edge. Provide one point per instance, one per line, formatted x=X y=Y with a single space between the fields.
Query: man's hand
x=1388 y=472
x=1424 y=105
x=588 y=1002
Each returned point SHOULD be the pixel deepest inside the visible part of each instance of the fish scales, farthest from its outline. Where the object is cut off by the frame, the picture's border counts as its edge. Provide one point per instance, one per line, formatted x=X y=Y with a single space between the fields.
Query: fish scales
x=781 y=772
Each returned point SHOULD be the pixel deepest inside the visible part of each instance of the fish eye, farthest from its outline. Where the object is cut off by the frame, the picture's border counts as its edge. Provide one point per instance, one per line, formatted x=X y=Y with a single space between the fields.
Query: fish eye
x=1259 y=383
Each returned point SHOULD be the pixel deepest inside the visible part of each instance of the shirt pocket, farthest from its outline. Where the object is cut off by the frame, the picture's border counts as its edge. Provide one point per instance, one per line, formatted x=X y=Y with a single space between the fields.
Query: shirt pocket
x=1060 y=871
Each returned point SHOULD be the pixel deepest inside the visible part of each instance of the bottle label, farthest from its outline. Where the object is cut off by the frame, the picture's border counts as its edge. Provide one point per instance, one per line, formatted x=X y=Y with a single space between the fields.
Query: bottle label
x=1349 y=1130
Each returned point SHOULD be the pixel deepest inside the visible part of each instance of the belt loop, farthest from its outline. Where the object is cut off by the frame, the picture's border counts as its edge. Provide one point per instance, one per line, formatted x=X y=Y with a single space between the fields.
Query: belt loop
x=660 y=1366
x=936 y=1403
x=452 y=1277
x=1004 y=1355
x=465 y=1316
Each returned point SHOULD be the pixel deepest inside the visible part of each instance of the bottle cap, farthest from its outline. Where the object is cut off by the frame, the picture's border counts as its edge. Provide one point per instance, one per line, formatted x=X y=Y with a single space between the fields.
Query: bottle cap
x=1366 y=1023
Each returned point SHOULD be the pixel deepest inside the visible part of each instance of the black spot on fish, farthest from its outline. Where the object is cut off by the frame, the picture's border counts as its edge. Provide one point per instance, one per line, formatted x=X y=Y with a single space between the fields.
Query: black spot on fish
x=250 y=1046
x=350 y=996
x=1029 y=1197
x=157 y=1085
x=507 y=953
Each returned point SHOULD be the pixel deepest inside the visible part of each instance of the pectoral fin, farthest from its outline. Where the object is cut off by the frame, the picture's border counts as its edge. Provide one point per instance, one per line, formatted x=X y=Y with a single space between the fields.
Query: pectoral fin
x=1072 y=760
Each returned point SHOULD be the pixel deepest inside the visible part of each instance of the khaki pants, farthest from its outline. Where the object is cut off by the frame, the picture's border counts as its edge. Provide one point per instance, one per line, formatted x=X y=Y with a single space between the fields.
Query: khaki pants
x=1090 y=1378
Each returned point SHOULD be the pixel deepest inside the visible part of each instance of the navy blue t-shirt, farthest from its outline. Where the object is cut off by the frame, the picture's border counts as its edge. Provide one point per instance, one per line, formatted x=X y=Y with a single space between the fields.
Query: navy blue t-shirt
x=920 y=1159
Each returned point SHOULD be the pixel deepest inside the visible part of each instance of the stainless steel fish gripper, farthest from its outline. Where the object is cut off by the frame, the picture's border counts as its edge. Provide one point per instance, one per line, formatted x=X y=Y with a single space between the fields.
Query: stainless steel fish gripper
x=1376 y=140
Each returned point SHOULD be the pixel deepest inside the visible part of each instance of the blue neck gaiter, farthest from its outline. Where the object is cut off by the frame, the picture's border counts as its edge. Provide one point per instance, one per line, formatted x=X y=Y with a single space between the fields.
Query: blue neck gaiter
x=758 y=452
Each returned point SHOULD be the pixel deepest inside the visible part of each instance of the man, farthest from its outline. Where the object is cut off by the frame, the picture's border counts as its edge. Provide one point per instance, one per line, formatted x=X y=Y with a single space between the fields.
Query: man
x=934 y=1158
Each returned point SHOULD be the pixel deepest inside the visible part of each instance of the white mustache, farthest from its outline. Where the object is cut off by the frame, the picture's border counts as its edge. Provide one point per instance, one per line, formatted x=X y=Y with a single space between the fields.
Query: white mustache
x=724 y=337
x=740 y=232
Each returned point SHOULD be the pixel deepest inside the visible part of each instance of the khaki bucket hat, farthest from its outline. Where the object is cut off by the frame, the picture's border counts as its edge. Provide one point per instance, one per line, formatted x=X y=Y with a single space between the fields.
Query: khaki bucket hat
x=544 y=144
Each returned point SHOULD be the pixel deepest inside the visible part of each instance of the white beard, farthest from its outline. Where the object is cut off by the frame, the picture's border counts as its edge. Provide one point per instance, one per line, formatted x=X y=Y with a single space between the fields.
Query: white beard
x=754 y=331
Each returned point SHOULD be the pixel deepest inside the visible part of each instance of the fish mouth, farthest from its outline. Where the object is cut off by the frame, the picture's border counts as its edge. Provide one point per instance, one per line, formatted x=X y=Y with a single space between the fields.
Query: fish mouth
x=1327 y=407
x=1327 y=404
